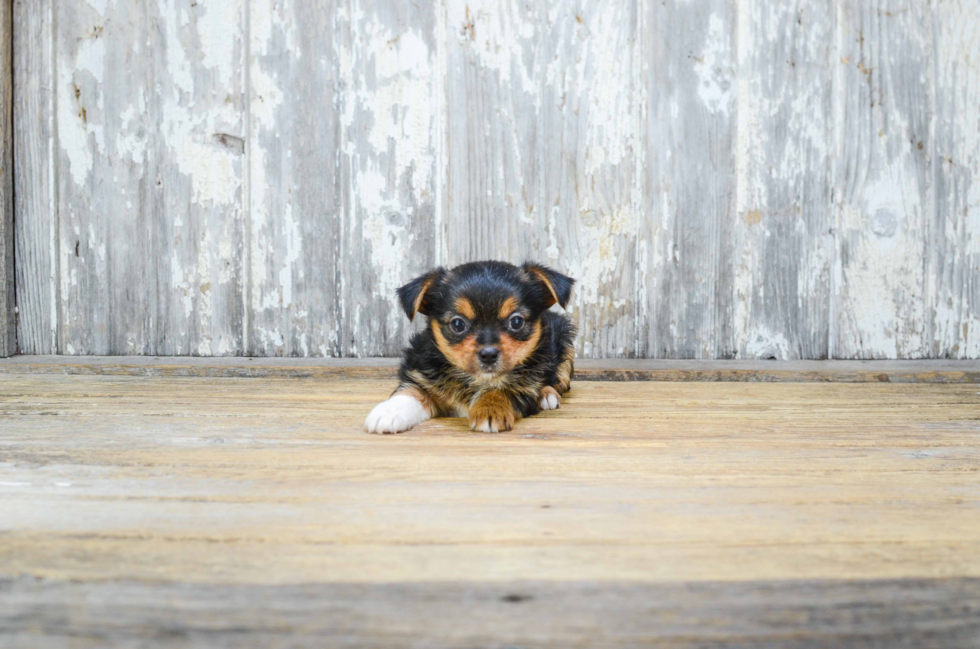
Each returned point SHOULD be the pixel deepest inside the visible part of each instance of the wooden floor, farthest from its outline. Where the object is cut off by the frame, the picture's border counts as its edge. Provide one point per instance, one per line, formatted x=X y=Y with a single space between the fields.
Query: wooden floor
x=181 y=511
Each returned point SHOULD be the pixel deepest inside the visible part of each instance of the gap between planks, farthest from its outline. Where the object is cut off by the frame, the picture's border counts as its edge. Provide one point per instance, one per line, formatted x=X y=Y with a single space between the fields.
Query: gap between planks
x=830 y=371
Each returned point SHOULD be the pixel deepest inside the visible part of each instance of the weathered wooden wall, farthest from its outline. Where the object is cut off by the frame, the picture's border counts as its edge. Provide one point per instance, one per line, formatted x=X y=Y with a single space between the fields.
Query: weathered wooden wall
x=726 y=178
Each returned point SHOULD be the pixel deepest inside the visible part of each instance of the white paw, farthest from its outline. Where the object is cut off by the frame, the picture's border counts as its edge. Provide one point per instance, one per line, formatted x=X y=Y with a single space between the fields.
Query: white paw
x=549 y=402
x=398 y=413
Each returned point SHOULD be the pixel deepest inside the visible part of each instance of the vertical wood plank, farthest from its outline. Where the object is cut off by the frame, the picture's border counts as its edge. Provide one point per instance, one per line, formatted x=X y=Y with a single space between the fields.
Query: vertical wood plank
x=542 y=118
x=8 y=324
x=955 y=248
x=150 y=133
x=589 y=127
x=783 y=233
x=493 y=91
x=392 y=166
x=294 y=254
x=685 y=251
x=883 y=174
x=345 y=116
x=35 y=212
x=85 y=213
x=193 y=178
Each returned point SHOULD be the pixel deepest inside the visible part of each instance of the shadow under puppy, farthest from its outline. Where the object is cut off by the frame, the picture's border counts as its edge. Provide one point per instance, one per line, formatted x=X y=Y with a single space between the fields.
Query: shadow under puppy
x=492 y=351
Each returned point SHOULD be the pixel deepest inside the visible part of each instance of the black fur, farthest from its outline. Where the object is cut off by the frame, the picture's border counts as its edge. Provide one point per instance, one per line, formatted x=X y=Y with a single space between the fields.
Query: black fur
x=487 y=286
x=408 y=294
x=560 y=284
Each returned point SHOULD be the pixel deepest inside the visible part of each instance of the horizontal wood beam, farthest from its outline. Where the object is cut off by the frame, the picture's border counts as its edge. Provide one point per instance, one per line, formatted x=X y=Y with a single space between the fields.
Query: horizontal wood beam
x=852 y=613
x=920 y=371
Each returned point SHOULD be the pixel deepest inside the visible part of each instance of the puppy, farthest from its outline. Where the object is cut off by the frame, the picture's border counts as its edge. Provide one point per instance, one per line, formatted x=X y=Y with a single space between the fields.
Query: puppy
x=492 y=351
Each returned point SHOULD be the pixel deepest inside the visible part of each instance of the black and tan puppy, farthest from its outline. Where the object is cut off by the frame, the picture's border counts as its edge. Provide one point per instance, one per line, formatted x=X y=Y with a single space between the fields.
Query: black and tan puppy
x=492 y=351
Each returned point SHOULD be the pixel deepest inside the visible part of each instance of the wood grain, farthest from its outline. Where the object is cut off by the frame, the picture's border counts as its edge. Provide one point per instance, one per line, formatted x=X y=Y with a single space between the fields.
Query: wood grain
x=149 y=116
x=542 y=129
x=393 y=167
x=954 y=247
x=587 y=160
x=35 y=210
x=884 y=207
x=193 y=182
x=774 y=513
x=906 y=613
x=920 y=371
x=296 y=249
x=493 y=81
x=684 y=248
x=8 y=318
x=726 y=179
x=783 y=237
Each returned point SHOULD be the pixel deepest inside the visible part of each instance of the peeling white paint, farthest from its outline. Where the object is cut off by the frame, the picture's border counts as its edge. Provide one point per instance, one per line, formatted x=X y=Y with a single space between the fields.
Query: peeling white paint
x=713 y=67
x=764 y=344
x=391 y=120
x=217 y=29
x=226 y=260
x=178 y=66
x=211 y=171
x=271 y=337
x=227 y=346
x=129 y=141
x=563 y=153
x=74 y=127
x=881 y=295
x=386 y=239
x=497 y=31
x=609 y=135
x=269 y=22
x=99 y=5
x=294 y=246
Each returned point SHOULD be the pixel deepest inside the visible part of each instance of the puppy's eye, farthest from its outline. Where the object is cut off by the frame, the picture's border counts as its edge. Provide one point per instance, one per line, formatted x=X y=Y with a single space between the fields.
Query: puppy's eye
x=516 y=322
x=458 y=325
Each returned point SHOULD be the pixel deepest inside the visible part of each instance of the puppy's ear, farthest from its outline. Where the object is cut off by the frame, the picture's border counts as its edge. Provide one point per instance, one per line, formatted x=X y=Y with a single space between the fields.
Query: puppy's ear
x=557 y=287
x=413 y=296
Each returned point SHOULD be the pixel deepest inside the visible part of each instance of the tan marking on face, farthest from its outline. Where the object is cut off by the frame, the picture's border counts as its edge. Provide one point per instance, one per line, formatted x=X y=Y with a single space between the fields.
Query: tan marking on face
x=426 y=400
x=462 y=354
x=464 y=308
x=510 y=305
x=493 y=408
x=513 y=352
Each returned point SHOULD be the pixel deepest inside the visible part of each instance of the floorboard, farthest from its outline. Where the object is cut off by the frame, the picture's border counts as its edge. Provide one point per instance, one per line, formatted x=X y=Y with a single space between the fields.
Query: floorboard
x=914 y=371
x=145 y=511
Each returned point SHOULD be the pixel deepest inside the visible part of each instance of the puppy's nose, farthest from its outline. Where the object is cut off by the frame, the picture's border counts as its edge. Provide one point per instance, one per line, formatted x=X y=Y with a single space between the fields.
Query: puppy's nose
x=489 y=355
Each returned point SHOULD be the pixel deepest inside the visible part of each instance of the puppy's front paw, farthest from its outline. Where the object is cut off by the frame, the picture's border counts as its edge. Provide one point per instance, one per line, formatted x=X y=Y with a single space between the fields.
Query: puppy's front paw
x=491 y=422
x=395 y=415
x=492 y=413
x=550 y=399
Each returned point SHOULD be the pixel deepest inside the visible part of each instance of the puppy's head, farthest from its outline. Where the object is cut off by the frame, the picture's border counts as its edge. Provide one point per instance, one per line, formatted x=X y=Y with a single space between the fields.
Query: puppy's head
x=485 y=316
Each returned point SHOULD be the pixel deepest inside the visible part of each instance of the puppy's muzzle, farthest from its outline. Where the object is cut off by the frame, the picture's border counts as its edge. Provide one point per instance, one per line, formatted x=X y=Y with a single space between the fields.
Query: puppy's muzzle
x=488 y=356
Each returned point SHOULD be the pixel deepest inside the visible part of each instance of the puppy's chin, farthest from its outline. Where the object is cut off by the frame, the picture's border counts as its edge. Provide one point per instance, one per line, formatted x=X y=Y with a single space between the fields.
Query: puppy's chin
x=483 y=374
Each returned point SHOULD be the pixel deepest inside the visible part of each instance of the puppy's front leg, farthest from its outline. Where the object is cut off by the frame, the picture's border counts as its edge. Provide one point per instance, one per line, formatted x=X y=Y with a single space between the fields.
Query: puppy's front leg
x=492 y=412
x=550 y=398
x=407 y=407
